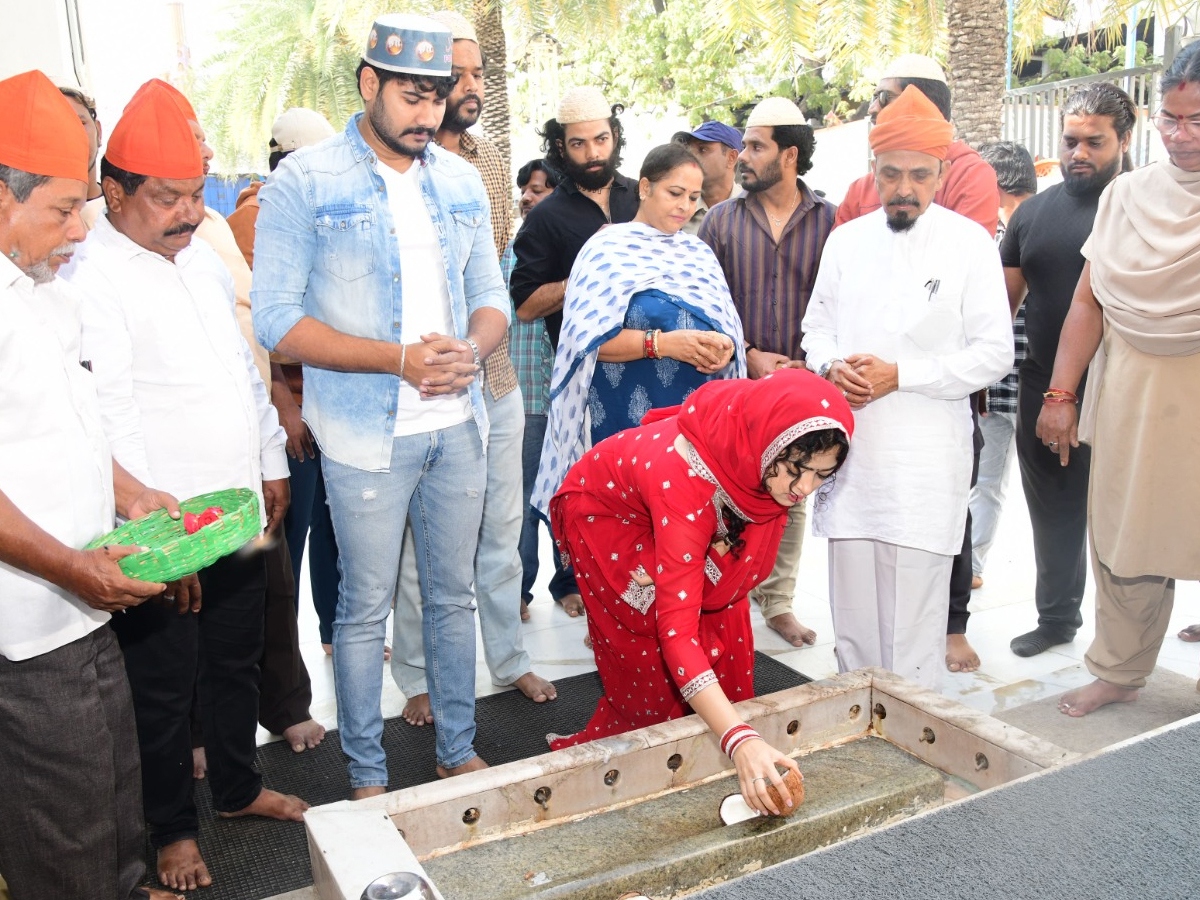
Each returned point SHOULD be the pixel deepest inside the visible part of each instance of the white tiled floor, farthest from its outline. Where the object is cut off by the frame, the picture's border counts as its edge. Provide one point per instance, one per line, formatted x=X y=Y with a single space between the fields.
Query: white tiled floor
x=1001 y=609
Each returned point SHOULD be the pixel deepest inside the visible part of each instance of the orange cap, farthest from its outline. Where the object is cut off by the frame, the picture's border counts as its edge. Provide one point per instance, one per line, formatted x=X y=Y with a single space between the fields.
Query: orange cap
x=40 y=133
x=153 y=137
x=180 y=100
x=912 y=122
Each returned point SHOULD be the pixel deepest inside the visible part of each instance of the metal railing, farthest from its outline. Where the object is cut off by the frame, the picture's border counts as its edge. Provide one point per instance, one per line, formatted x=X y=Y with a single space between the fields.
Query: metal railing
x=1031 y=114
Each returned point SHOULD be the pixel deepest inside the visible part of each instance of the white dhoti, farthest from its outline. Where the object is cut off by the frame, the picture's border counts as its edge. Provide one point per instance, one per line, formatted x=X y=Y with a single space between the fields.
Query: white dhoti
x=889 y=608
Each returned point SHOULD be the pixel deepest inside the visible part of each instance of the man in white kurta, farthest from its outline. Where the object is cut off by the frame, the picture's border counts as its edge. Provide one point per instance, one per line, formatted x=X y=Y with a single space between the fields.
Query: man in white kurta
x=185 y=409
x=909 y=317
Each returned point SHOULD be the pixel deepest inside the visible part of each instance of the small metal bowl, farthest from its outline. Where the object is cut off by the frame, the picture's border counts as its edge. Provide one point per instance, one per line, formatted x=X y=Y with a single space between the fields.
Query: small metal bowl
x=398 y=886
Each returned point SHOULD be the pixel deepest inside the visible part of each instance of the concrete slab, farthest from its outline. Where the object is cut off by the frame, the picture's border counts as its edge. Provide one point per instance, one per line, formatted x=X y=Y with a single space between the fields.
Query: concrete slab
x=675 y=842
x=1167 y=697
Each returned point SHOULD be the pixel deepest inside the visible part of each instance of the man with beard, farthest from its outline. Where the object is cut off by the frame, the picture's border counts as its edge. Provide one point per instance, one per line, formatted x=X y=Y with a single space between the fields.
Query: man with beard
x=583 y=143
x=717 y=147
x=907 y=317
x=375 y=266
x=185 y=409
x=497 y=560
x=71 y=821
x=969 y=189
x=1041 y=255
x=769 y=242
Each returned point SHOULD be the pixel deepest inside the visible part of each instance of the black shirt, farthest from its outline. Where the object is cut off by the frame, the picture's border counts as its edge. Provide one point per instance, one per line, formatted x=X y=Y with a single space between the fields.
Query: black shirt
x=555 y=231
x=1043 y=240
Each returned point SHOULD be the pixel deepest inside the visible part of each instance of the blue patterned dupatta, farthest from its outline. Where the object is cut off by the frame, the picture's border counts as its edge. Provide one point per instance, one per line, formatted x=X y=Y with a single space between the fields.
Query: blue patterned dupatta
x=629 y=276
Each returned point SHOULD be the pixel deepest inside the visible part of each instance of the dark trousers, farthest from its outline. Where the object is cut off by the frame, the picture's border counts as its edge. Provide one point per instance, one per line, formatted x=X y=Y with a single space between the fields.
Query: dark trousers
x=563 y=580
x=213 y=654
x=308 y=519
x=71 y=821
x=1057 y=499
x=960 y=569
x=285 y=689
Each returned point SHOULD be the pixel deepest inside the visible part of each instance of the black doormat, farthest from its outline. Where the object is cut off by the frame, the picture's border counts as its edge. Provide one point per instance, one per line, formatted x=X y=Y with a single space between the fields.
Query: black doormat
x=253 y=858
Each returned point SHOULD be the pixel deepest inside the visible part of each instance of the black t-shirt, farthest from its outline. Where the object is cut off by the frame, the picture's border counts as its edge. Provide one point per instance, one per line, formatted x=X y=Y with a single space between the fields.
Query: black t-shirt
x=1043 y=240
x=555 y=231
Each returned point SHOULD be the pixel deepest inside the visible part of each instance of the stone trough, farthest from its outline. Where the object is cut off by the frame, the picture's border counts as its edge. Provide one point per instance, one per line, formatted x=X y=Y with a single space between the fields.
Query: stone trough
x=639 y=812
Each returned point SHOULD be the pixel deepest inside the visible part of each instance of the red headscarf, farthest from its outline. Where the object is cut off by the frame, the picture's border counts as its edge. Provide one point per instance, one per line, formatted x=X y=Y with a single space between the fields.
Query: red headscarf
x=740 y=426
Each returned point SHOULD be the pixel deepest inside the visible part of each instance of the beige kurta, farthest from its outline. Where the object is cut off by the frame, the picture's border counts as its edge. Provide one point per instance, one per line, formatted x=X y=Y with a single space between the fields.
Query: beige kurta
x=1143 y=415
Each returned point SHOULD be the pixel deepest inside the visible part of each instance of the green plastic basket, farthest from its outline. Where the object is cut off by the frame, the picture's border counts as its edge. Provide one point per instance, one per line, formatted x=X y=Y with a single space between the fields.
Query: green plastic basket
x=173 y=553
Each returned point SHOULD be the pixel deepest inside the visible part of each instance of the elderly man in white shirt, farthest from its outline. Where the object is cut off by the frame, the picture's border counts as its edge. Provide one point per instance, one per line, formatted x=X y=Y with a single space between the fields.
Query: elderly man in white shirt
x=70 y=813
x=908 y=317
x=184 y=408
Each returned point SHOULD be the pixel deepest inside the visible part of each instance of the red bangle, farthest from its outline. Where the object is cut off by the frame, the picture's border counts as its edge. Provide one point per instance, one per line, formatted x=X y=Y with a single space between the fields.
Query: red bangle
x=648 y=349
x=736 y=736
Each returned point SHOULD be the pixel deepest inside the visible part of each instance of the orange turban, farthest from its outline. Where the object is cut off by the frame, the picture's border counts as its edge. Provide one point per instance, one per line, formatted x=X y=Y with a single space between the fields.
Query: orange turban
x=912 y=122
x=40 y=133
x=153 y=137
x=175 y=94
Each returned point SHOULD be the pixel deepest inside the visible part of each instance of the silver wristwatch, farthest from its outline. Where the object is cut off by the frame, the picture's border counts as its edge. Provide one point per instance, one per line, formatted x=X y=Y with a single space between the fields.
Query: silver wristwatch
x=825 y=367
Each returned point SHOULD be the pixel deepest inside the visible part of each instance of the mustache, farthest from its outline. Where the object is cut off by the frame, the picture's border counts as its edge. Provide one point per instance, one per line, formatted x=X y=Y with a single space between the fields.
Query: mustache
x=425 y=132
x=181 y=228
x=66 y=249
x=903 y=201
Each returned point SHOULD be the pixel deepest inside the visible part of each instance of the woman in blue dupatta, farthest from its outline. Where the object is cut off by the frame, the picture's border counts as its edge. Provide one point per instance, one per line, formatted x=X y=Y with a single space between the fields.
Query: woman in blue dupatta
x=647 y=319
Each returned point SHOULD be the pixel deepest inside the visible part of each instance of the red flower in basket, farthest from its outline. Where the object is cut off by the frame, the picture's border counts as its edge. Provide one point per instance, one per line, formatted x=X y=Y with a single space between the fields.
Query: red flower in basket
x=193 y=522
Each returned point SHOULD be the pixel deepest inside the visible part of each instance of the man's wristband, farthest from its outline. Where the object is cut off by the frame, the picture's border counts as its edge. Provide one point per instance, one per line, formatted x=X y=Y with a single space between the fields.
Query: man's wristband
x=475 y=351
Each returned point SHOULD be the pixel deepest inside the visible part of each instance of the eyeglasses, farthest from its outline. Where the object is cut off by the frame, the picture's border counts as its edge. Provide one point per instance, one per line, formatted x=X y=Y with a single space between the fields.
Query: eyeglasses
x=1168 y=124
x=883 y=97
x=81 y=98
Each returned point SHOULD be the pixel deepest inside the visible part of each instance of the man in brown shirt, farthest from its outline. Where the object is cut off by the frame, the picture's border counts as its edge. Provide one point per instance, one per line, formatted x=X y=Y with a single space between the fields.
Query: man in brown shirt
x=497 y=560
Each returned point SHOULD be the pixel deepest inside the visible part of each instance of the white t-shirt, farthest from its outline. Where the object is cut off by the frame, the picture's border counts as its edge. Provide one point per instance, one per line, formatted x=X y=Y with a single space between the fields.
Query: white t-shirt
x=426 y=300
x=55 y=464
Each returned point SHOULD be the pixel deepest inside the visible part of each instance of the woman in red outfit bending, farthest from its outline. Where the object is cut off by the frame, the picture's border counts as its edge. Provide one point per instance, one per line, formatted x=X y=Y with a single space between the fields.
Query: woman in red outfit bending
x=669 y=526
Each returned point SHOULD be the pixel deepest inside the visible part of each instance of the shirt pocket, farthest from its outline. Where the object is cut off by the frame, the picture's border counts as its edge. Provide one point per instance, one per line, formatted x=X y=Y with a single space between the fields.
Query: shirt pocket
x=344 y=234
x=465 y=219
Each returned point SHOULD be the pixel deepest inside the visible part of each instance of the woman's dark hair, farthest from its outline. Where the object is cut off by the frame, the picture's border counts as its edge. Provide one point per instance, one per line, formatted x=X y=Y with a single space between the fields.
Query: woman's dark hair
x=128 y=181
x=665 y=159
x=798 y=136
x=1184 y=69
x=797 y=452
x=525 y=173
x=441 y=85
x=554 y=139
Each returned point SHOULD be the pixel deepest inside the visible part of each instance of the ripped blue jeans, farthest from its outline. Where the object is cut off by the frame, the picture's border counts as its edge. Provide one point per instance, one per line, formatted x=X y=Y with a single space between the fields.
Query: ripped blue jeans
x=437 y=480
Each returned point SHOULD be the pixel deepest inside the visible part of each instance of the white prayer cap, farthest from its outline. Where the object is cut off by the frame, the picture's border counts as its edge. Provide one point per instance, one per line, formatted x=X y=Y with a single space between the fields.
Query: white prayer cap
x=299 y=127
x=914 y=65
x=583 y=104
x=460 y=28
x=775 y=111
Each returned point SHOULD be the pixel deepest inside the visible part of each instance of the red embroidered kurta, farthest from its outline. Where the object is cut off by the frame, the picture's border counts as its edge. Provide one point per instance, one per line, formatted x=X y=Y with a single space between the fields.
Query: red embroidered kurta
x=634 y=503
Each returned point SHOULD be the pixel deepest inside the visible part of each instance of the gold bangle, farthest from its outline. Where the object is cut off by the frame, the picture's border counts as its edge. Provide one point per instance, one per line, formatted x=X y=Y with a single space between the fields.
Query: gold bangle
x=403 y=354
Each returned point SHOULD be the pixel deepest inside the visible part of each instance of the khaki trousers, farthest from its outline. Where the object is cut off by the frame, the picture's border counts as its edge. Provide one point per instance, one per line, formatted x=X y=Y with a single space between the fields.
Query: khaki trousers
x=777 y=590
x=1132 y=615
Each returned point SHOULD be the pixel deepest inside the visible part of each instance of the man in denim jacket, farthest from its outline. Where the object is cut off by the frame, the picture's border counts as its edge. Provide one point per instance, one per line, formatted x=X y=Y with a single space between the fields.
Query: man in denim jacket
x=375 y=266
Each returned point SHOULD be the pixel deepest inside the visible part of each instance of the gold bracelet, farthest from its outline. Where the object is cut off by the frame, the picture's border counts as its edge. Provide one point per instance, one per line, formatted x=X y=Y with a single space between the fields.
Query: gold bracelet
x=403 y=353
x=657 y=332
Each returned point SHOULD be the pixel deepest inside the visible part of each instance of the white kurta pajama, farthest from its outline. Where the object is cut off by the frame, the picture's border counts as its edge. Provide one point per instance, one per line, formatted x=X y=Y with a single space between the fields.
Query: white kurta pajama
x=932 y=300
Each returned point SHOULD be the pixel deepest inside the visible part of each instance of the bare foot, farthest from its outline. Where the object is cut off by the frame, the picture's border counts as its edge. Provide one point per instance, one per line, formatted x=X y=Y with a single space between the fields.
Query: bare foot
x=387 y=653
x=1191 y=634
x=1080 y=702
x=304 y=735
x=474 y=764
x=587 y=641
x=791 y=629
x=199 y=763
x=960 y=655
x=976 y=582
x=362 y=793
x=417 y=710
x=536 y=688
x=181 y=867
x=159 y=894
x=272 y=805
x=524 y=611
x=572 y=605
x=328 y=648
